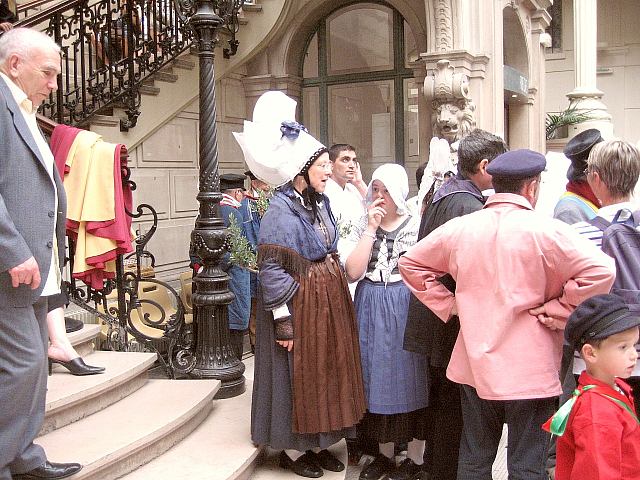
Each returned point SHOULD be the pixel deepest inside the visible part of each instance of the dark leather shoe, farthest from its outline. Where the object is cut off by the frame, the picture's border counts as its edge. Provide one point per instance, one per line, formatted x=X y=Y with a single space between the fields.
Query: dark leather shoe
x=50 y=470
x=303 y=466
x=77 y=366
x=407 y=470
x=326 y=460
x=376 y=469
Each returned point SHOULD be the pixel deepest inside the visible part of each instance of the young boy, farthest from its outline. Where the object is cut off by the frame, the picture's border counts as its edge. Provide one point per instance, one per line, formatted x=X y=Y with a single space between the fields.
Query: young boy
x=598 y=430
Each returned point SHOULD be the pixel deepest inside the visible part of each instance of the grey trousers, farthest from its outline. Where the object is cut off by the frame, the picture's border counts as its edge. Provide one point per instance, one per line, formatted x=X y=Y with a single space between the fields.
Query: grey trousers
x=23 y=386
x=482 y=428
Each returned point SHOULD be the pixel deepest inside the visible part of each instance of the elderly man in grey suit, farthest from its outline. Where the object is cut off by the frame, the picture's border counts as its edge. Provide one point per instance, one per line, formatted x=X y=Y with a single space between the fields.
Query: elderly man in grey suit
x=32 y=222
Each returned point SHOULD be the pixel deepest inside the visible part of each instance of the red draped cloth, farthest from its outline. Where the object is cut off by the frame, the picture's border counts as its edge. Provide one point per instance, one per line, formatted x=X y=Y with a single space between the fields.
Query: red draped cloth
x=117 y=229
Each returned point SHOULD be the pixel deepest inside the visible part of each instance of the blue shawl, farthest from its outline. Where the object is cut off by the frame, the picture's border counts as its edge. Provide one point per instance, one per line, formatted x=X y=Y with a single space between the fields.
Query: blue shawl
x=288 y=244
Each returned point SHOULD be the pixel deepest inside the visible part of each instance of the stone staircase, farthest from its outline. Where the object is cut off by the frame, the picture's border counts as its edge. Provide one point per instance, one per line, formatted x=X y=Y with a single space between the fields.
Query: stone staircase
x=117 y=422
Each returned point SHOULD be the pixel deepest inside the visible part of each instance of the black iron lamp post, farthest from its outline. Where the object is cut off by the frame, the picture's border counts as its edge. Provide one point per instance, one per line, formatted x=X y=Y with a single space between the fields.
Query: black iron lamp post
x=214 y=357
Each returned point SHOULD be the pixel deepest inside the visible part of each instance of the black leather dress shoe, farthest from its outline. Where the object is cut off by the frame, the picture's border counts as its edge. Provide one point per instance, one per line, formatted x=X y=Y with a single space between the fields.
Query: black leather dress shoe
x=380 y=466
x=50 y=470
x=326 y=460
x=303 y=466
x=408 y=470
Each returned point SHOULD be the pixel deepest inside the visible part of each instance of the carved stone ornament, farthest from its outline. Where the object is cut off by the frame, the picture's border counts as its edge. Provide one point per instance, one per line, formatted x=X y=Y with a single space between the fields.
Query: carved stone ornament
x=444 y=25
x=452 y=108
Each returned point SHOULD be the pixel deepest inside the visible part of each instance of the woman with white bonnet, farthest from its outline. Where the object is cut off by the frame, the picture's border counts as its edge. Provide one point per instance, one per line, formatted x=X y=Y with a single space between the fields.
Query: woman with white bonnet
x=307 y=390
x=395 y=380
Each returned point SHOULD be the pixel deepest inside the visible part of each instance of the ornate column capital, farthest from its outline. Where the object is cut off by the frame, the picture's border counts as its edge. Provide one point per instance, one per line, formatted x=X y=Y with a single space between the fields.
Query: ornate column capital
x=452 y=108
x=474 y=66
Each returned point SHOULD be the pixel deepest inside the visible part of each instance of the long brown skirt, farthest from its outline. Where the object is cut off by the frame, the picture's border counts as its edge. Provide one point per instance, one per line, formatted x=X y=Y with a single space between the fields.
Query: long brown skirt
x=328 y=393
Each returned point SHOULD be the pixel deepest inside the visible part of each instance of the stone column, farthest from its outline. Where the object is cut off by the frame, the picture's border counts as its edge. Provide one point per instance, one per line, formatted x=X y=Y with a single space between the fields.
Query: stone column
x=585 y=96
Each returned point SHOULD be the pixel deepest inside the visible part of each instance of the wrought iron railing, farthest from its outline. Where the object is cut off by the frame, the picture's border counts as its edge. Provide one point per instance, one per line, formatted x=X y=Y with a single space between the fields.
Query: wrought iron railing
x=108 y=48
x=132 y=321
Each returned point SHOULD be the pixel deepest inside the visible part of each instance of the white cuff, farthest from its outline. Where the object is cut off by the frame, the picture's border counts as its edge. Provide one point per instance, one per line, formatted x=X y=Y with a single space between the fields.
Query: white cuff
x=281 y=311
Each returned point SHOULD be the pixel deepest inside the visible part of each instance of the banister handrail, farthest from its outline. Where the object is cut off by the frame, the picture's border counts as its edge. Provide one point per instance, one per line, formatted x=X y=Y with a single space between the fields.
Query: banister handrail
x=46 y=124
x=46 y=13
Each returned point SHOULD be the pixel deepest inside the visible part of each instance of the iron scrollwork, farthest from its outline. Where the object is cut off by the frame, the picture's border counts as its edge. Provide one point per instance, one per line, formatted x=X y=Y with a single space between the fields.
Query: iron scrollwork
x=133 y=318
x=108 y=48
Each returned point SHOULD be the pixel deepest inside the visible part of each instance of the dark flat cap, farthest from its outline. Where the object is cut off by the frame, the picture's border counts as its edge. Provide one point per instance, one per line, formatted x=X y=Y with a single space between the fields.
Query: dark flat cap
x=599 y=317
x=580 y=145
x=231 y=180
x=517 y=164
x=578 y=149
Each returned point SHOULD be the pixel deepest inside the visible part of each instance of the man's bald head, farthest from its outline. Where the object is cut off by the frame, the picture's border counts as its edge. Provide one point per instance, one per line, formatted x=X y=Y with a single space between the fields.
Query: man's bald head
x=31 y=60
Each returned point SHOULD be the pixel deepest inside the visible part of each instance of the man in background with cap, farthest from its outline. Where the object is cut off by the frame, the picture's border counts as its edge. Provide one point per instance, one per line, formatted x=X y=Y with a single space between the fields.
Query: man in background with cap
x=232 y=188
x=598 y=432
x=507 y=260
x=579 y=202
x=251 y=221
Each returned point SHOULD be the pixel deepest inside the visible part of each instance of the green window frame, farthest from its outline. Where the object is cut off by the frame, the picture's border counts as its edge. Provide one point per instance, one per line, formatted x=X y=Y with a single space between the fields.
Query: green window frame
x=398 y=74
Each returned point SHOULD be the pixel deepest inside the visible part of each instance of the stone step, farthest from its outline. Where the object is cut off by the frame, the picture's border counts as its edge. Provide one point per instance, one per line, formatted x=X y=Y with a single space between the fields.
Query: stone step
x=166 y=75
x=270 y=470
x=83 y=340
x=71 y=398
x=184 y=63
x=220 y=448
x=133 y=431
x=149 y=90
x=105 y=120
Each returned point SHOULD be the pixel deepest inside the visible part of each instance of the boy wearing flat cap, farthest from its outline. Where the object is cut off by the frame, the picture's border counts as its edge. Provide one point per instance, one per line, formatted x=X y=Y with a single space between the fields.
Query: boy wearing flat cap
x=518 y=276
x=598 y=430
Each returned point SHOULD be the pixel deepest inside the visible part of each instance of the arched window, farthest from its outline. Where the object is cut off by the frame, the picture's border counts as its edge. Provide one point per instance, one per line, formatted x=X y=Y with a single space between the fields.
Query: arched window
x=357 y=87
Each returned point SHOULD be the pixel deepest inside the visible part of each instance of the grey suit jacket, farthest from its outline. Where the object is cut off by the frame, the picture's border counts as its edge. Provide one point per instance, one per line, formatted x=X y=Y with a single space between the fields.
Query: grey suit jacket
x=27 y=200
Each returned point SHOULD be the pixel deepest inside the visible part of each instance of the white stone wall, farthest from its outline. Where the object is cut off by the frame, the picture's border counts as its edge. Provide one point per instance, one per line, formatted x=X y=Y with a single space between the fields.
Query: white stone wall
x=618 y=64
x=165 y=169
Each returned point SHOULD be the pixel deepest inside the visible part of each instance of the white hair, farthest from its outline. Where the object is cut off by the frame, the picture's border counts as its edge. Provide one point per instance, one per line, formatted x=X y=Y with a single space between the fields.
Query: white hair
x=21 y=41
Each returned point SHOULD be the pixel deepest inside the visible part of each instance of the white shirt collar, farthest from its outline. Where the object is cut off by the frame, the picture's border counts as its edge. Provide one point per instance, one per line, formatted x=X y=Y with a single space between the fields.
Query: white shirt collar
x=18 y=95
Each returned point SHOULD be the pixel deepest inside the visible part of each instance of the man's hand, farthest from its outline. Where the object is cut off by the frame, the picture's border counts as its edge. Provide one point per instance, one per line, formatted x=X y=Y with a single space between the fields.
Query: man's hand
x=27 y=273
x=358 y=181
x=5 y=26
x=547 y=321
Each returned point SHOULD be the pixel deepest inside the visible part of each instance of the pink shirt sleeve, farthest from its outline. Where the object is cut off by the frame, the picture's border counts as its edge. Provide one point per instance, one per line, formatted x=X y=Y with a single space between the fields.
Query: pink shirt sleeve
x=421 y=267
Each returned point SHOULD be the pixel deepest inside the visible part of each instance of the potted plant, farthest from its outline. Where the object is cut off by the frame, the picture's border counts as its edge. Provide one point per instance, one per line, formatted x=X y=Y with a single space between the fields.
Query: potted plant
x=556 y=123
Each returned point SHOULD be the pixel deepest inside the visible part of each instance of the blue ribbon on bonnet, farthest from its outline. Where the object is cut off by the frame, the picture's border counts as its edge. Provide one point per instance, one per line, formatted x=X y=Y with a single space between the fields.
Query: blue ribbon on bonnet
x=291 y=129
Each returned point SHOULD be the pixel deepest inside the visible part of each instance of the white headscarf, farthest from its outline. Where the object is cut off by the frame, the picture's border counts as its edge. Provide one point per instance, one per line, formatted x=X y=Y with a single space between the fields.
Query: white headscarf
x=394 y=177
